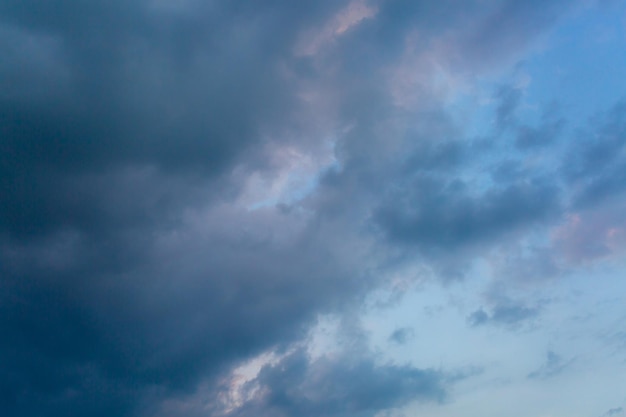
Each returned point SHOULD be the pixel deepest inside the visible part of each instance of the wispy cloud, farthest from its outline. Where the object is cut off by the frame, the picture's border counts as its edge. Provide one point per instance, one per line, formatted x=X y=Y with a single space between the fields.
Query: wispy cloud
x=553 y=366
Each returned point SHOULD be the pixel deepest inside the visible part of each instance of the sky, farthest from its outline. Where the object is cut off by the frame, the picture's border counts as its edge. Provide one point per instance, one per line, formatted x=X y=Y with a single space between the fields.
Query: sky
x=330 y=208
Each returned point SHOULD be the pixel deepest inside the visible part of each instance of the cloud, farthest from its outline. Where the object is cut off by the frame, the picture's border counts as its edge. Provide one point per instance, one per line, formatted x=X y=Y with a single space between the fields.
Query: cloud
x=128 y=268
x=553 y=366
x=504 y=313
x=135 y=265
x=508 y=101
x=155 y=323
x=595 y=165
x=436 y=214
x=402 y=335
x=613 y=412
x=544 y=134
x=337 y=386
x=592 y=235
x=509 y=98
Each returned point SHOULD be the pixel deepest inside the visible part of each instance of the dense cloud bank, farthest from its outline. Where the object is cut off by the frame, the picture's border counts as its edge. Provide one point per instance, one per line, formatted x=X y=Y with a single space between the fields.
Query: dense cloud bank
x=155 y=231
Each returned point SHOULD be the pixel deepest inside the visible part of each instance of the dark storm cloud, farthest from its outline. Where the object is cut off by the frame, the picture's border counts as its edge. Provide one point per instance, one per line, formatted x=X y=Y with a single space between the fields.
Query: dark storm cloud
x=96 y=332
x=136 y=119
x=124 y=128
x=180 y=93
x=350 y=385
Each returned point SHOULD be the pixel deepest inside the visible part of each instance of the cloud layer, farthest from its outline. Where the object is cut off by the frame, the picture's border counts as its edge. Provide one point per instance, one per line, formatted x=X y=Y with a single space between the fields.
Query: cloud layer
x=187 y=185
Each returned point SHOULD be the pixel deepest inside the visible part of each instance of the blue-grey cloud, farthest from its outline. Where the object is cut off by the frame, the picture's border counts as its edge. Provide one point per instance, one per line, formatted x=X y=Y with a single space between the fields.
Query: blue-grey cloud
x=547 y=132
x=614 y=412
x=108 y=291
x=553 y=366
x=402 y=335
x=344 y=386
x=505 y=314
x=526 y=136
x=432 y=213
x=596 y=164
x=127 y=126
x=509 y=99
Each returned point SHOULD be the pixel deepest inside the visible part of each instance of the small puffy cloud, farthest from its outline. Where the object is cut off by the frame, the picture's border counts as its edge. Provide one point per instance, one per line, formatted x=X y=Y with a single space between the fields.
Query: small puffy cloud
x=402 y=335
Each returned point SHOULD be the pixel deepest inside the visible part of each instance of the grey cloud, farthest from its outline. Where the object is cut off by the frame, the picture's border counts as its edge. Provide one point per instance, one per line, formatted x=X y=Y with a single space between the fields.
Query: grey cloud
x=109 y=294
x=511 y=27
x=508 y=171
x=437 y=156
x=188 y=95
x=341 y=386
x=528 y=265
x=553 y=366
x=595 y=166
x=436 y=214
x=509 y=99
x=384 y=37
x=478 y=318
x=164 y=322
x=526 y=137
x=402 y=335
x=504 y=314
x=425 y=205
x=613 y=412
x=540 y=136
x=121 y=120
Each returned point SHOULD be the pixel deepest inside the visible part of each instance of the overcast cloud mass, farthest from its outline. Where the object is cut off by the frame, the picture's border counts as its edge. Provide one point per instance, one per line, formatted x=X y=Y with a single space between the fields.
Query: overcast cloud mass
x=363 y=208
